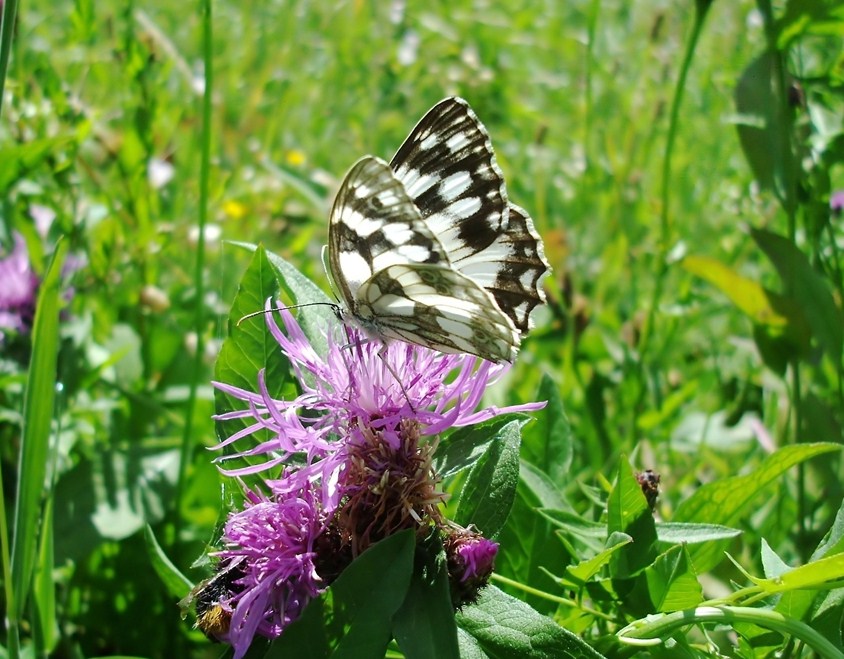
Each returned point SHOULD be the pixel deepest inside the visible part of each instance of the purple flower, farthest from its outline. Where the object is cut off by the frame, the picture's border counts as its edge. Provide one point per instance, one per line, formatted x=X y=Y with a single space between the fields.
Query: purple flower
x=471 y=559
x=18 y=289
x=270 y=545
x=356 y=448
x=836 y=202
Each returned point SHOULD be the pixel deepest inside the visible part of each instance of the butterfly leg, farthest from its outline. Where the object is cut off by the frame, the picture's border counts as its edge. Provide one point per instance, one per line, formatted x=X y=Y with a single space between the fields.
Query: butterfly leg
x=382 y=354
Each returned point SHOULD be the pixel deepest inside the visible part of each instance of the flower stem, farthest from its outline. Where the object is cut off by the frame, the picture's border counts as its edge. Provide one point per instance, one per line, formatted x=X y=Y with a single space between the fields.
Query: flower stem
x=186 y=455
x=665 y=223
x=651 y=631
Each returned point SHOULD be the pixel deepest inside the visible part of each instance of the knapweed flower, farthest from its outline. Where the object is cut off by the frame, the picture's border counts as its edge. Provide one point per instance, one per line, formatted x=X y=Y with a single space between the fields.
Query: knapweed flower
x=355 y=451
x=471 y=559
x=18 y=289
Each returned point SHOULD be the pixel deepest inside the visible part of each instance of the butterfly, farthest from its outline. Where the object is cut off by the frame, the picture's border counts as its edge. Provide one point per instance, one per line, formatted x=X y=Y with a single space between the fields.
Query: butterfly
x=428 y=249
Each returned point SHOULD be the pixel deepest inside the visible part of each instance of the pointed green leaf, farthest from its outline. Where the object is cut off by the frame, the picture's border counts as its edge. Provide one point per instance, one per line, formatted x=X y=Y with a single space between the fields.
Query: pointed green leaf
x=576 y=576
x=176 y=583
x=490 y=488
x=628 y=512
x=465 y=446
x=672 y=583
x=548 y=445
x=809 y=289
x=817 y=574
x=316 y=319
x=762 y=306
x=352 y=619
x=35 y=442
x=424 y=626
x=249 y=347
x=761 y=126
x=690 y=534
x=726 y=500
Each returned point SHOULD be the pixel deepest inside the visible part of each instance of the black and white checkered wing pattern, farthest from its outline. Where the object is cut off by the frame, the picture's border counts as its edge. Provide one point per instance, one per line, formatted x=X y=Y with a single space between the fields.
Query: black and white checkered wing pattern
x=447 y=165
x=374 y=224
x=395 y=278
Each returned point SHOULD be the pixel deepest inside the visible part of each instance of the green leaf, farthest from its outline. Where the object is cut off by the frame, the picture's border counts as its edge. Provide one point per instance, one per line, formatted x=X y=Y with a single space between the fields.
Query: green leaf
x=781 y=316
x=725 y=501
x=503 y=627
x=576 y=524
x=761 y=126
x=549 y=444
x=529 y=548
x=780 y=327
x=353 y=619
x=176 y=583
x=487 y=496
x=628 y=512
x=817 y=574
x=808 y=288
x=35 y=442
x=424 y=626
x=250 y=347
x=576 y=576
x=690 y=534
x=464 y=447
x=815 y=17
x=316 y=319
x=46 y=631
x=672 y=583
x=19 y=160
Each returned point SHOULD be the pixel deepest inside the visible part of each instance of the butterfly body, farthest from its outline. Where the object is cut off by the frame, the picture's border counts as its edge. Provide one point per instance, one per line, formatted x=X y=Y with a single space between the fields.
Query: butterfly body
x=428 y=249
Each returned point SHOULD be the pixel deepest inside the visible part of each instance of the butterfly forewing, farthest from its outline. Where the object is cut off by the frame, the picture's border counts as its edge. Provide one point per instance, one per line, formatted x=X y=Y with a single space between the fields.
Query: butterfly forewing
x=448 y=167
x=375 y=224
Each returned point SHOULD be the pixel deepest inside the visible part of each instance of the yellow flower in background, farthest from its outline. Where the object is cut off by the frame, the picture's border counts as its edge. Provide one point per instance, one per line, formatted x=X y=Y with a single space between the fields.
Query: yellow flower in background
x=295 y=158
x=234 y=209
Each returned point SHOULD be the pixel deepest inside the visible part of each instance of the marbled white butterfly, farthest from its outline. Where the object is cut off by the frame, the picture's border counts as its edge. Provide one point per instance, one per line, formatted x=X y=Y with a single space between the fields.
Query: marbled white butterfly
x=429 y=250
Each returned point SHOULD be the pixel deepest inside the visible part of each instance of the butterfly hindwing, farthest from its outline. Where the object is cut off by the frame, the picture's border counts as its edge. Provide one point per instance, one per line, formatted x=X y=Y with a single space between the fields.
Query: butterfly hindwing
x=518 y=267
x=439 y=308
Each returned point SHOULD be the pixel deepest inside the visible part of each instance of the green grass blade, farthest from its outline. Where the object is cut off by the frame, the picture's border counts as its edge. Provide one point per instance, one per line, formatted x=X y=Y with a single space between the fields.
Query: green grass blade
x=176 y=583
x=35 y=443
x=7 y=21
x=186 y=456
x=45 y=630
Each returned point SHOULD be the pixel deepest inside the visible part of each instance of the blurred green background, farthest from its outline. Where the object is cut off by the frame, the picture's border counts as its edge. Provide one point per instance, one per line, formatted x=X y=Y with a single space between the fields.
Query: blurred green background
x=102 y=127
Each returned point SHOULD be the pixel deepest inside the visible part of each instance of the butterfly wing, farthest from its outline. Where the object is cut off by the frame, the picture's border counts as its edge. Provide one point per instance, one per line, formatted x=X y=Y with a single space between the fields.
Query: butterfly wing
x=439 y=308
x=374 y=224
x=515 y=280
x=447 y=165
x=395 y=278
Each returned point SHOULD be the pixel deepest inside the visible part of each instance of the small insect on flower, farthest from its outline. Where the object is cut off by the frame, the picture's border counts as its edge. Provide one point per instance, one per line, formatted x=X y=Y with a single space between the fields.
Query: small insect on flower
x=649 y=482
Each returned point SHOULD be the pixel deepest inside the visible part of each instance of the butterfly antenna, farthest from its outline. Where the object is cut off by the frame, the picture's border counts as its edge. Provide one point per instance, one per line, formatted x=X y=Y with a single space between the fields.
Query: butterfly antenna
x=263 y=312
